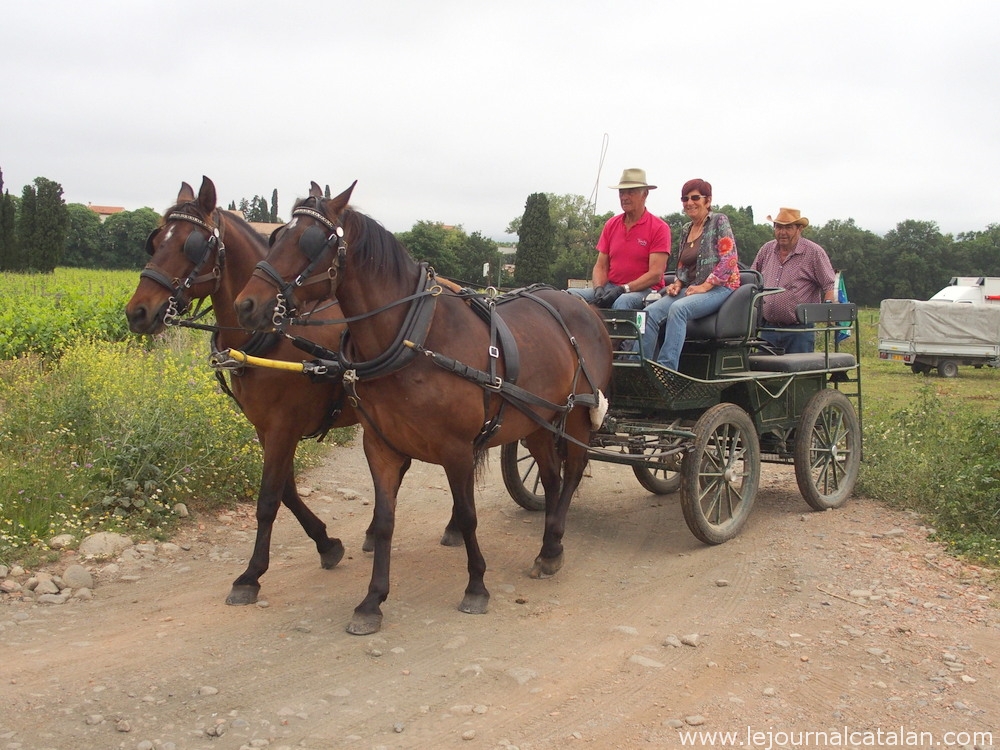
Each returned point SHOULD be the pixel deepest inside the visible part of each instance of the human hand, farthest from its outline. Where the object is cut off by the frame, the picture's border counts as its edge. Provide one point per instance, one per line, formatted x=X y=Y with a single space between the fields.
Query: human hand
x=598 y=293
x=674 y=288
x=611 y=293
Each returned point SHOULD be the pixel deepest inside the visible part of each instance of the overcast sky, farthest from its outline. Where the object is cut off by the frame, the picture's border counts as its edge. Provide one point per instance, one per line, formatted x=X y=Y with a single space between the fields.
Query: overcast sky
x=456 y=111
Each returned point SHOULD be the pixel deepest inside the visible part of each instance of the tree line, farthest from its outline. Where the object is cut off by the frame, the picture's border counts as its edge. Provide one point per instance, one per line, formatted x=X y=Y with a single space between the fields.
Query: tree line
x=39 y=230
x=912 y=261
x=557 y=237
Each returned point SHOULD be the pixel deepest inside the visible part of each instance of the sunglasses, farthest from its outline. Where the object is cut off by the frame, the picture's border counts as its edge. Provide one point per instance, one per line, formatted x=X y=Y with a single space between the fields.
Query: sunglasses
x=691 y=198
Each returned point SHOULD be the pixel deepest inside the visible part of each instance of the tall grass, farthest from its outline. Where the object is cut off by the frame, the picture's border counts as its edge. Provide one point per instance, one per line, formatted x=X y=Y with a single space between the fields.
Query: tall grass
x=102 y=430
x=932 y=445
x=111 y=437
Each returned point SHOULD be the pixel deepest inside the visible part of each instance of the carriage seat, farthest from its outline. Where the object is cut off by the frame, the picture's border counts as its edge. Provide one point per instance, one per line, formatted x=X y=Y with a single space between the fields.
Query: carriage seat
x=812 y=314
x=805 y=362
x=739 y=315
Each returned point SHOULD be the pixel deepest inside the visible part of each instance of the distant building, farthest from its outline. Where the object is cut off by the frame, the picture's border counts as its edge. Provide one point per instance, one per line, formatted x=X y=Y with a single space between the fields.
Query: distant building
x=105 y=211
x=264 y=229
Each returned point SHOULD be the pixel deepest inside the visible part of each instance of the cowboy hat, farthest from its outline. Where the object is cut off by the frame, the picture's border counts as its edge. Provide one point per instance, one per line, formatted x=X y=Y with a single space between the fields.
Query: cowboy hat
x=789 y=216
x=633 y=178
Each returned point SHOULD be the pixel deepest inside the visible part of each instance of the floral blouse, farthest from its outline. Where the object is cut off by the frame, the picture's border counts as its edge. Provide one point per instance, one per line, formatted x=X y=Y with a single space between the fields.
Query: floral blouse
x=717 y=260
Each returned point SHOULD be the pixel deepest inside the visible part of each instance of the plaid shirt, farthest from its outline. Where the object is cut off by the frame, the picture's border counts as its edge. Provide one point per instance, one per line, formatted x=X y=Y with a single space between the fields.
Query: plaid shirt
x=805 y=276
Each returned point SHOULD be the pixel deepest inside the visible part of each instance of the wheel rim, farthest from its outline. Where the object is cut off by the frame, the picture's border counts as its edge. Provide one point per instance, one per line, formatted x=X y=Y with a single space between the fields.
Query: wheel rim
x=830 y=450
x=723 y=474
x=827 y=450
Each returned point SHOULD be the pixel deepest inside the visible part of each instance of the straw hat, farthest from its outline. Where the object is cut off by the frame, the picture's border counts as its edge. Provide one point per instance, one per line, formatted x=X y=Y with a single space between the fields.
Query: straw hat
x=789 y=216
x=633 y=178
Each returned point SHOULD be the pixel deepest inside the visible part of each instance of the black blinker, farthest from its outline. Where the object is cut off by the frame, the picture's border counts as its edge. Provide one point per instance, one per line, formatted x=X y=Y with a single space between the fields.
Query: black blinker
x=313 y=242
x=149 y=241
x=196 y=247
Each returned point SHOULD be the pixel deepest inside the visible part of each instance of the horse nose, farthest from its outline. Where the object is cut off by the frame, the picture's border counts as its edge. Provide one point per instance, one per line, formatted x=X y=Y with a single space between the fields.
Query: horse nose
x=137 y=317
x=244 y=311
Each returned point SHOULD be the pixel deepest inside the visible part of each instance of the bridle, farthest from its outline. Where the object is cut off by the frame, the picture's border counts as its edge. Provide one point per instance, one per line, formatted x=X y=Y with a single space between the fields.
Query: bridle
x=198 y=248
x=313 y=244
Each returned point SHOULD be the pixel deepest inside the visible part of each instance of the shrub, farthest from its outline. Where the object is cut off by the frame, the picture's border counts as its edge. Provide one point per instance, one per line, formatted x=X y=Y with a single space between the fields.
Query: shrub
x=941 y=458
x=113 y=436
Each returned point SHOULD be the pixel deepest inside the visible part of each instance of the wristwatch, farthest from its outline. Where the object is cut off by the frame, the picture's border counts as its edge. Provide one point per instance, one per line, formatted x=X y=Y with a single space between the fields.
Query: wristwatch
x=627 y=288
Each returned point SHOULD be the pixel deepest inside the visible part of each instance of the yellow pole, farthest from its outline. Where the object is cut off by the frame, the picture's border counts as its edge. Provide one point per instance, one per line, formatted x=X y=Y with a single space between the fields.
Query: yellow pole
x=274 y=364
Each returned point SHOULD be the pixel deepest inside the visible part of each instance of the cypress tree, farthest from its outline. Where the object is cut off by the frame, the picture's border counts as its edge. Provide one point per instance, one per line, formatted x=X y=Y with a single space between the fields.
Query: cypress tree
x=8 y=238
x=51 y=226
x=536 y=242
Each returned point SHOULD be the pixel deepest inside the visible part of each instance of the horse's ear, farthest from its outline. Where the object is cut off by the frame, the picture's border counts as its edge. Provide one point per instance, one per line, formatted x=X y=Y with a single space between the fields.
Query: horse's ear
x=340 y=202
x=206 y=196
x=315 y=191
x=186 y=194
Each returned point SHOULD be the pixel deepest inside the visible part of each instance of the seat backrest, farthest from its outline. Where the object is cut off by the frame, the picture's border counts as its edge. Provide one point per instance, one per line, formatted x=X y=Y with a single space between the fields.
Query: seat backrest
x=739 y=315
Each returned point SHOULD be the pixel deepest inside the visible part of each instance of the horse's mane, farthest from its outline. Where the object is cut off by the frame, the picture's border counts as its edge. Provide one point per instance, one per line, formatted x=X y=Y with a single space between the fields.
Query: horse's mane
x=374 y=249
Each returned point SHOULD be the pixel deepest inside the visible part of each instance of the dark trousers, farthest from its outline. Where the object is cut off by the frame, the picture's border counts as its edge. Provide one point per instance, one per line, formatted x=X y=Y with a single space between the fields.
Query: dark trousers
x=798 y=341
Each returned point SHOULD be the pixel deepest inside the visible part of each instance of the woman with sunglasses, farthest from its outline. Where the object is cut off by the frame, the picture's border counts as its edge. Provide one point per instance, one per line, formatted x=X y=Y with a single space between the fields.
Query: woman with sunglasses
x=707 y=272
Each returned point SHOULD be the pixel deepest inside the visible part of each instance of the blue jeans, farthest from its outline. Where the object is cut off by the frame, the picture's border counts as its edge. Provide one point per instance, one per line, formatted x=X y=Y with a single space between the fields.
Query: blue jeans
x=677 y=311
x=793 y=342
x=630 y=301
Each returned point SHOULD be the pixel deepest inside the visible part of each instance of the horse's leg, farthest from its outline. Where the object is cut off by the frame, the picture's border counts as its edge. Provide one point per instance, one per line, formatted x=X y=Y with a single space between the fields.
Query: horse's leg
x=331 y=549
x=461 y=479
x=369 y=543
x=277 y=485
x=387 y=469
x=452 y=536
x=550 y=558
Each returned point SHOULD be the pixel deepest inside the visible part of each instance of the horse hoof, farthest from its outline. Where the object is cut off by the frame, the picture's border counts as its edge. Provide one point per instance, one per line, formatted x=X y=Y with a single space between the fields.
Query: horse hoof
x=475 y=604
x=452 y=538
x=243 y=594
x=332 y=556
x=369 y=545
x=365 y=624
x=546 y=566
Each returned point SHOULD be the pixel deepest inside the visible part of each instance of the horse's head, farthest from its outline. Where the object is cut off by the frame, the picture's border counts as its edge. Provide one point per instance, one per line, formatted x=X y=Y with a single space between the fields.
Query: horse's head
x=188 y=241
x=303 y=265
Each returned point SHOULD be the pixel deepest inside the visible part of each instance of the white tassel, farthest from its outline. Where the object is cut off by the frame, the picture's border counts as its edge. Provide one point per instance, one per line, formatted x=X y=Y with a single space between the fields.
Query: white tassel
x=597 y=413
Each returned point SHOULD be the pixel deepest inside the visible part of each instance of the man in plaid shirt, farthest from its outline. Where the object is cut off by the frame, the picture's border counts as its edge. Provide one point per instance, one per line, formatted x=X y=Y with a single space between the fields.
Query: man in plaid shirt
x=800 y=267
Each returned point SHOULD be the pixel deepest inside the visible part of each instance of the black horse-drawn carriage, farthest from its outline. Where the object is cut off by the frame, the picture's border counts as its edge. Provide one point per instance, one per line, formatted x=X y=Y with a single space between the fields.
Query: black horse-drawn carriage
x=735 y=403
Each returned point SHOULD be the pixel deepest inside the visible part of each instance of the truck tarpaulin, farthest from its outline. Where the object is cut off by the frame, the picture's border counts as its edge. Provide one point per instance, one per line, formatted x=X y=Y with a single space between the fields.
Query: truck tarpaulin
x=935 y=322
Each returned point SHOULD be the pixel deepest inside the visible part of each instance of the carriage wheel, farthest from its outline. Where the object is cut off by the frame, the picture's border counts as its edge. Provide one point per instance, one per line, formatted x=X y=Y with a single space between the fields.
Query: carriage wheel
x=654 y=478
x=520 y=476
x=827 y=450
x=720 y=474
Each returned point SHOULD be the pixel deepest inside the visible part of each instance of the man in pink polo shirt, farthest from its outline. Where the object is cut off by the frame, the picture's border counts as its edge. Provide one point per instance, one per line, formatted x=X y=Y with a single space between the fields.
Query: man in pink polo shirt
x=632 y=251
x=800 y=267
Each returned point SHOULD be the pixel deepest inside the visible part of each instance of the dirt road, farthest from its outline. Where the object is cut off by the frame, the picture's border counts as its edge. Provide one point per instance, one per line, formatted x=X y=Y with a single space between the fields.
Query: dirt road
x=846 y=624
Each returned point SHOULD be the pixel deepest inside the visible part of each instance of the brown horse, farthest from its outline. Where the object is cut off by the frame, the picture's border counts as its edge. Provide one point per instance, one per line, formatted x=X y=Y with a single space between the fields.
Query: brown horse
x=283 y=407
x=435 y=381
